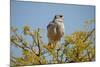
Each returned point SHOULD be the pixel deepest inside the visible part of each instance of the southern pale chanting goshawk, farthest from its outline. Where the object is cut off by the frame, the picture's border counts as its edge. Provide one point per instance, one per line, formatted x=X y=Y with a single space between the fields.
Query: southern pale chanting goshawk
x=55 y=29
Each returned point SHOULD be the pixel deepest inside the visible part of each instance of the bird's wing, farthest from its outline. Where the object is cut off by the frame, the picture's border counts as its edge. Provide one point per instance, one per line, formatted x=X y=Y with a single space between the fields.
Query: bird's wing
x=51 y=24
x=52 y=27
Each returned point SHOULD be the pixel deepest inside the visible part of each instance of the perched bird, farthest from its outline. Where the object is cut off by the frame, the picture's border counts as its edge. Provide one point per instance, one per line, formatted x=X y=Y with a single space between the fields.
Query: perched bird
x=55 y=30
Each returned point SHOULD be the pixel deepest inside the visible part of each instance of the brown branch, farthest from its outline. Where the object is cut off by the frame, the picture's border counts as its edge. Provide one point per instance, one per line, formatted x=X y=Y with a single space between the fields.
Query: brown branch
x=38 y=42
x=19 y=45
x=38 y=46
x=58 y=55
x=89 y=35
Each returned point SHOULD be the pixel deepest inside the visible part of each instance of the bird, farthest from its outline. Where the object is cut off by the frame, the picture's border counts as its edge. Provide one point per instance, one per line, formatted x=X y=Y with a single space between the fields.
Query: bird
x=55 y=30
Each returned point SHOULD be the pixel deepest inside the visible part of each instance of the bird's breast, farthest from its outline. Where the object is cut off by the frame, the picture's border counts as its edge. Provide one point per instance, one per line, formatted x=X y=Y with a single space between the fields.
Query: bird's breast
x=55 y=33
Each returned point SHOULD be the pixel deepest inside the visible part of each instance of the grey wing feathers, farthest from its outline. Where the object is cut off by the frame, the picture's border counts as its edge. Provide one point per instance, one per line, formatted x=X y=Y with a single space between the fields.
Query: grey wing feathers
x=50 y=24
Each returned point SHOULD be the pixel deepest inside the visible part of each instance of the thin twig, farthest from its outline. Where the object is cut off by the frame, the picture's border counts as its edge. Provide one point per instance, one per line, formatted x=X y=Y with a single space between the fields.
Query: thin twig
x=89 y=35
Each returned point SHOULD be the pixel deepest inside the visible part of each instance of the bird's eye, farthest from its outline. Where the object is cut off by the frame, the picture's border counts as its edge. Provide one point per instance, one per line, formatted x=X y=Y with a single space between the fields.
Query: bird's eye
x=61 y=16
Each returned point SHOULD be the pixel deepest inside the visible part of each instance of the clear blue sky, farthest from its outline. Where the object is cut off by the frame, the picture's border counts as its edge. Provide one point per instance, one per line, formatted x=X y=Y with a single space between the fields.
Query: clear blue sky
x=38 y=15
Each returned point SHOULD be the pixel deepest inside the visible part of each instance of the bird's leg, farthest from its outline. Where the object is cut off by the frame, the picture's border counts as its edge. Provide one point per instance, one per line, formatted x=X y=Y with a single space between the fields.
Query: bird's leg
x=55 y=55
x=57 y=49
x=53 y=47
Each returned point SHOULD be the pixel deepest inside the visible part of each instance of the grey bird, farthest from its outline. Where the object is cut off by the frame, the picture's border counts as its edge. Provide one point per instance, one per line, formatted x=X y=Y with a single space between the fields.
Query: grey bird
x=55 y=30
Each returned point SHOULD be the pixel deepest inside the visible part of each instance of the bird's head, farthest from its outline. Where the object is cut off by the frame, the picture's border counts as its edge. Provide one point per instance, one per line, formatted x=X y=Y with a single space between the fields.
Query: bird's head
x=59 y=18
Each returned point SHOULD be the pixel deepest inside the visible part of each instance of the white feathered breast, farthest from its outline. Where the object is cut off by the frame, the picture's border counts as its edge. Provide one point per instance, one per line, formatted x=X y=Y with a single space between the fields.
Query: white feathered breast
x=55 y=29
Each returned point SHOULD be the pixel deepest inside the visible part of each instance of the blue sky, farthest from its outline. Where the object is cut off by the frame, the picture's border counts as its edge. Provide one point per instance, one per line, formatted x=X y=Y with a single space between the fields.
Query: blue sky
x=38 y=15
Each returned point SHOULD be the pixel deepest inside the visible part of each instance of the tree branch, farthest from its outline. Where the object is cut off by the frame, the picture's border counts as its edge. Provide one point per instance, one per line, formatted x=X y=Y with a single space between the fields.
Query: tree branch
x=89 y=35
